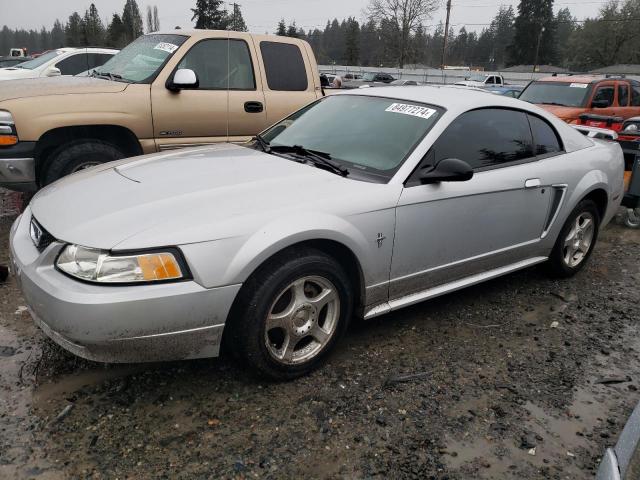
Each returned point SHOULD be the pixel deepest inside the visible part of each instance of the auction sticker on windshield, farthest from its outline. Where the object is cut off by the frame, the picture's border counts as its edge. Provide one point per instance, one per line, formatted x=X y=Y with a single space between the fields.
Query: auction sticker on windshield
x=579 y=85
x=413 y=110
x=166 y=47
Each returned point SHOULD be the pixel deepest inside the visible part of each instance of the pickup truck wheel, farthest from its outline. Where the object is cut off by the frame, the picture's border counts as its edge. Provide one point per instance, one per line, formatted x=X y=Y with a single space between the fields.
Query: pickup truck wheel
x=290 y=314
x=576 y=240
x=71 y=158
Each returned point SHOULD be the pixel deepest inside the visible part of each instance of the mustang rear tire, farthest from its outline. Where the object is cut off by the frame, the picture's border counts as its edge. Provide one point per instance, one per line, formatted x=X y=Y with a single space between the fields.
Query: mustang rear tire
x=576 y=241
x=71 y=158
x=290 y=313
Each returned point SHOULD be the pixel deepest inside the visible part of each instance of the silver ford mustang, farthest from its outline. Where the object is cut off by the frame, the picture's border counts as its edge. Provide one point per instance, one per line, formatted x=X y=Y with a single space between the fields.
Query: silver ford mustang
x=357 y=205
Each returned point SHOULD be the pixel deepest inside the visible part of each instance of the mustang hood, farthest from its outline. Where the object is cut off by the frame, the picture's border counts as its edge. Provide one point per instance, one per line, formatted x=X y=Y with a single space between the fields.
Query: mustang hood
x=185 y=197
x=39 y=87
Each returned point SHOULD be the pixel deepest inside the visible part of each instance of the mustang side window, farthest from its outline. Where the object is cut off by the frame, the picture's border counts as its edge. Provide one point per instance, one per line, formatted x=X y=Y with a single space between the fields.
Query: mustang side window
x=486 y=138
x=544 y=137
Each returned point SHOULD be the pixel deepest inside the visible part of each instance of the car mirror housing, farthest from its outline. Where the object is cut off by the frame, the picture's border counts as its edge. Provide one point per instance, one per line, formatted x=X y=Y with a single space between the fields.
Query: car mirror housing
x=184 y=79
x=448 y=170
x=53 y=72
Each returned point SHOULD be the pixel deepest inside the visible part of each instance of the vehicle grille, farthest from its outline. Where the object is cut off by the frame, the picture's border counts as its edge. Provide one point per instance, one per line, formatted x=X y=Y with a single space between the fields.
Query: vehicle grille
x=44 y=239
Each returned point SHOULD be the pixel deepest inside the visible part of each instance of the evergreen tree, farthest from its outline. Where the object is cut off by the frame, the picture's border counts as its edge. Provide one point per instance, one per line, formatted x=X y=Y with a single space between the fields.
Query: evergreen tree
x=93 y=27
x=565 y=27
x=236 y=21
x=74 y=31
x=57 y=35
x=282 y=28
x=115 y=33
x=131 y=21
x=534 y=22
x=292 y=30
x=210 y=15
x=156 y=19
x=352 y=42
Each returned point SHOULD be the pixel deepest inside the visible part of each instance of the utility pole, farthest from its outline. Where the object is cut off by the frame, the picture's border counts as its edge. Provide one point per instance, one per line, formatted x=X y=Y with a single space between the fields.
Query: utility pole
x=234 y=21
x=446 y=36
x=535 y=61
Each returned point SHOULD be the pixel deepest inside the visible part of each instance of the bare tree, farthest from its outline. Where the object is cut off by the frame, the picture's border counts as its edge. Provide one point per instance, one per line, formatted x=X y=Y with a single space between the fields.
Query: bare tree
x=149 y=19
x=156 y=19
x=153 y=22
x=405 y=15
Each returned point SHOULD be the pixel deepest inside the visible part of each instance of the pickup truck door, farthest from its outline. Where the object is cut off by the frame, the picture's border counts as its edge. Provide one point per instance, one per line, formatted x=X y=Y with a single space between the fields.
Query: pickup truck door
x=227 y=103
x=287 y=76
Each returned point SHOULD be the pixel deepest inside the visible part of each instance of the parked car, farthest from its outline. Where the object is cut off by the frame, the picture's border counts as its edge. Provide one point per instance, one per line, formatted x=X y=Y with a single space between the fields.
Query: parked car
x=481 y=80
x=622 y=462
x=353 y=76
x=405 y=83
x=160 y=92
x=512 y=91
x=273 y=246
x=63 y=61
x=570 y=96
x=377 y=77
x=12 y=61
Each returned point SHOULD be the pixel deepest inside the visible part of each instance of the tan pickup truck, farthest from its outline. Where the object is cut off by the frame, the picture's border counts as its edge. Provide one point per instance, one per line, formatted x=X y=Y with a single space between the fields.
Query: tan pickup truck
x=163 y=91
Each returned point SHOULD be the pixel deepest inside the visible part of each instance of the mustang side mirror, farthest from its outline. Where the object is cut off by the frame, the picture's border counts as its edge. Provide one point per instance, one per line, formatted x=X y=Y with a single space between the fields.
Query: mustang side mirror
x=448 y=170
x=600 y=104
x=183 y=79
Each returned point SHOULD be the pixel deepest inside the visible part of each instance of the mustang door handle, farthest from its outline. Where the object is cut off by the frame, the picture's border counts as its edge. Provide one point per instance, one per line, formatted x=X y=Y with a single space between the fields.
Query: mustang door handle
x=253 y=107
x=532 y=183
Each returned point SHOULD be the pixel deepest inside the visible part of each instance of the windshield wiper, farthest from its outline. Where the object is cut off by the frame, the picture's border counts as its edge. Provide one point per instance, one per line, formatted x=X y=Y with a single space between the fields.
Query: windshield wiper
x=109 y=75
x=264 y=145
x=319 y=159
x=554 y=103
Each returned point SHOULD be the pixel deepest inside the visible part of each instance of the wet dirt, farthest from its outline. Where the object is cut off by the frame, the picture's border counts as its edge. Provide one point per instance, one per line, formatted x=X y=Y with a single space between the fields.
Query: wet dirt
x=501 y=380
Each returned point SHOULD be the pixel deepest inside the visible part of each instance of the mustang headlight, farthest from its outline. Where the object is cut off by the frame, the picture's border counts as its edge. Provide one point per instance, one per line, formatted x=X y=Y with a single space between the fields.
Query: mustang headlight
x=101 y=267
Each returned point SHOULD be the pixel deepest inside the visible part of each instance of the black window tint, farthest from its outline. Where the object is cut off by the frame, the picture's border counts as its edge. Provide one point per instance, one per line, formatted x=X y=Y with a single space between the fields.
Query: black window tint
x=485 y=138
x=284 y=67
x=623 y=94
x=604 y=93
x=74 y=64
x=98 y=59
x=544 y=137
x=635 y=96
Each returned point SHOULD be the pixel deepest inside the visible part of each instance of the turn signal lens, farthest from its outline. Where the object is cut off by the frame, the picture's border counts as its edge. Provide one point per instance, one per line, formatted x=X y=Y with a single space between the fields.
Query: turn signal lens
x=8 y=140
x=98 y=266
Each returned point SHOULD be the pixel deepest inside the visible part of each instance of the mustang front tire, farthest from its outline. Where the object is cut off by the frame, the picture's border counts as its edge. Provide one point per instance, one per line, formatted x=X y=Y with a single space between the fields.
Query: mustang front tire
x=290 y=313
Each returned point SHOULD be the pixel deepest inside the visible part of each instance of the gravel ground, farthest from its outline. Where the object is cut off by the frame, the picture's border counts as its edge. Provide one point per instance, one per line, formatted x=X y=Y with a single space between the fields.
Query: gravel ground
x=501 y=380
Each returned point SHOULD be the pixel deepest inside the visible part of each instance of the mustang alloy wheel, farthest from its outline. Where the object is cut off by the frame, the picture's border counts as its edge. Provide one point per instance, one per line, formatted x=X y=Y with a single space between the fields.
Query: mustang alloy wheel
x=576 y=240
x=290 y=313
x=302 y=320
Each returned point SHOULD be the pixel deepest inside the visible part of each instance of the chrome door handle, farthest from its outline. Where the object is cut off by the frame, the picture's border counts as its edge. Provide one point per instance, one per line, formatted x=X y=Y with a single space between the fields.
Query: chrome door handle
x=532 y=183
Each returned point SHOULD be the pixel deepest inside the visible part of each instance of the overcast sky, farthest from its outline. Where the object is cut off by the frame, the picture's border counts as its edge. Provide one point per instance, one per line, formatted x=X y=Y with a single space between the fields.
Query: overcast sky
x=262 y=15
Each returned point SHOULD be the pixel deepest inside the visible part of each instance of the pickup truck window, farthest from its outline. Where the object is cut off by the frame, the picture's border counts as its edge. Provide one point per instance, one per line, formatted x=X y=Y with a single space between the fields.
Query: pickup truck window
x=142 y=60
x=221 y=64
x=557 y=93
x=284 y=67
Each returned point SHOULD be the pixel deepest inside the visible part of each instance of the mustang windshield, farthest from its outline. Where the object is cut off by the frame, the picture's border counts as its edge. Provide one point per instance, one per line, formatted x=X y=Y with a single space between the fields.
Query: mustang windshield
x=140 y=61
x=368 y=135
x=557 y=93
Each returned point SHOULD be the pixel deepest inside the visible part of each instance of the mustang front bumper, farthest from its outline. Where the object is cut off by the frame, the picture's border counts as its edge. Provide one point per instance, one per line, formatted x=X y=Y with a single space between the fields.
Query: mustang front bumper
x=139 y=323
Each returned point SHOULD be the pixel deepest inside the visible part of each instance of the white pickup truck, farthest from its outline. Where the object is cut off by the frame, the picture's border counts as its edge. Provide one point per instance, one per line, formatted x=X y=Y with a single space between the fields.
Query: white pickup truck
x=482 y=80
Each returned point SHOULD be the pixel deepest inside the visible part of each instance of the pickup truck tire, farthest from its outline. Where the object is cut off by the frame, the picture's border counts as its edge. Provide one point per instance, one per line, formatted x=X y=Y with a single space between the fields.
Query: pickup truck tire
x=76 y=156
x=299 y=302
x=576 y=241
